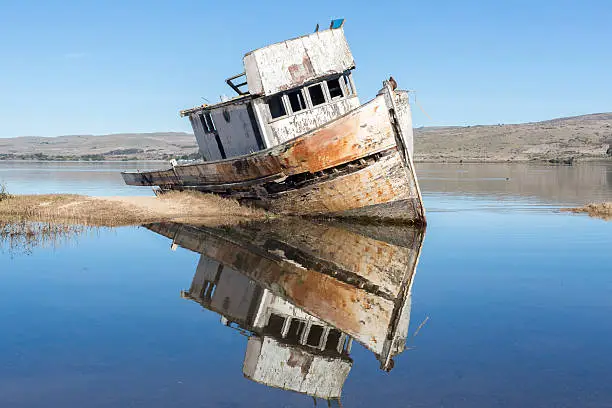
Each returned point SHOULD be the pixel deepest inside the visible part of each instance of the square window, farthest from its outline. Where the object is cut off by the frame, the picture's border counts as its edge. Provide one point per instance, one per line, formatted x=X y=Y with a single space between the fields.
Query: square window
x=277 y=107
x=333 y=340
x=335 y=90
x=317 y=97
x=296 y=99
x=314 y=336
x=295 y=331
x=275 y=324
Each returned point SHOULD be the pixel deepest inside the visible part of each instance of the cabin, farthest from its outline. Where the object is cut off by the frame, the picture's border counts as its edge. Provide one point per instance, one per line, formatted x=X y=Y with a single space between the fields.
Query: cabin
x=286 y=90
x=246 y=304
x=287 y=347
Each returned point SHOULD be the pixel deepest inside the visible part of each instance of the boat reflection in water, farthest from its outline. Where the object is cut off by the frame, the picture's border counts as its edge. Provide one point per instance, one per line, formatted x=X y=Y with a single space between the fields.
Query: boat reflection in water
x=303 y=291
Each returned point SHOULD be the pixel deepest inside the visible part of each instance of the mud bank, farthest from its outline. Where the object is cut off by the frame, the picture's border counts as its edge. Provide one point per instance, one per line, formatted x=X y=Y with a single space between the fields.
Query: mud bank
x=601 y=210
x=182 y=207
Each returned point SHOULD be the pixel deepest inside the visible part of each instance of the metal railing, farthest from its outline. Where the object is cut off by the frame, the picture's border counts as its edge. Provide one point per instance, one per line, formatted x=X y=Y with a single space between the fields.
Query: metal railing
x=236 y=87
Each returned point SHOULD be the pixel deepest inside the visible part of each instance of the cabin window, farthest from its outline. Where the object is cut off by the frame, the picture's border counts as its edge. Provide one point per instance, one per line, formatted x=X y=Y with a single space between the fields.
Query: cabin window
x=203 y=122
x=207 y=123
x=295 y=331
x=347 y=85
x=333 y=340
x=296 y=328
x=296 y=99
x=209 y=120
x=317 y=97
x=335 y=90
x=277 y=107
x=314 y=336
x=275 y=324
x=208 y=289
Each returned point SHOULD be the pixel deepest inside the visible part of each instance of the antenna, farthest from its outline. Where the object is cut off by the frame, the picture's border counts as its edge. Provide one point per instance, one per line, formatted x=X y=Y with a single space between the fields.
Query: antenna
x=419 y=105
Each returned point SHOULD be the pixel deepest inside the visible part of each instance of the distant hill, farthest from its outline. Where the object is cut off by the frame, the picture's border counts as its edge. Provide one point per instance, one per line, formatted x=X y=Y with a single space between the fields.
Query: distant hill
x=121 y=146
x=562 y=139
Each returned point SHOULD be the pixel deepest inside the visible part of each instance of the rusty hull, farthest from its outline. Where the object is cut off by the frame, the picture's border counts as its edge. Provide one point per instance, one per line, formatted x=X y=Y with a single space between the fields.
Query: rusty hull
x=355 y=166
x=360 y=133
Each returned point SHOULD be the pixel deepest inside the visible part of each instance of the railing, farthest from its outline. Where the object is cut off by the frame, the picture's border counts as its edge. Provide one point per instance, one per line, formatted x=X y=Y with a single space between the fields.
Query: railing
x=236 y=87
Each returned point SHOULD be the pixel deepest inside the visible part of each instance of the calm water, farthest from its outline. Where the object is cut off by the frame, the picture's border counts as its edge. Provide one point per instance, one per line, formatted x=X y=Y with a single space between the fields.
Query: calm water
x=509 y=305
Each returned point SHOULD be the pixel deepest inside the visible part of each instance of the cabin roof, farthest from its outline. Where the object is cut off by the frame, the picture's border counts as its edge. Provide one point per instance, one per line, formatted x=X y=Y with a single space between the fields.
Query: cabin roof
x=293 y=63
x=290 y=64
x=289 y=39
x=205 y=106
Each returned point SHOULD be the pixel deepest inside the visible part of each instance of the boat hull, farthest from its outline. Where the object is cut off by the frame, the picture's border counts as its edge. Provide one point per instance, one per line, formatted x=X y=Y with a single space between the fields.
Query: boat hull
x=379 y=191
x=357 y=166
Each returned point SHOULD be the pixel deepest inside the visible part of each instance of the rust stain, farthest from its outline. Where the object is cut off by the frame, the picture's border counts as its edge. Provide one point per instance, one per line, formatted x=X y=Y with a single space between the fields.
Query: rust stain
x=355 y=311
x=339 y=142
x=342 y=193
x=300 y=73
x=326 y=297
x=328 y=146
x=297 y=358
x=335 y=302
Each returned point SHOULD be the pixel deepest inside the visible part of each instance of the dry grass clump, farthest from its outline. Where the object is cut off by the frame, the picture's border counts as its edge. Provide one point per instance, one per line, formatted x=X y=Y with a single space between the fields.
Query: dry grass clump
x=4 y=194
x=24 y=236
x=184 y=207
x=601 y=210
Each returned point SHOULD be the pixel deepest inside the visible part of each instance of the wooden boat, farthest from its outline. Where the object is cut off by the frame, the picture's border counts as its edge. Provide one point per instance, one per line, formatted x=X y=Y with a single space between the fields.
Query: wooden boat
x=303 y=291
x=298 y=141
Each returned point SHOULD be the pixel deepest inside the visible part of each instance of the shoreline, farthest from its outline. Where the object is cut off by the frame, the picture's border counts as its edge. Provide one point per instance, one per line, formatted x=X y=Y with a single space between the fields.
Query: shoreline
x=562 y=140
x=551 y=161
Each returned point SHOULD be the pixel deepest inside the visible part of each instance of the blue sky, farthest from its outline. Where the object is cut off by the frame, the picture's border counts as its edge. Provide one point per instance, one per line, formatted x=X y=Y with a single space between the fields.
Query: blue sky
x=129 y=66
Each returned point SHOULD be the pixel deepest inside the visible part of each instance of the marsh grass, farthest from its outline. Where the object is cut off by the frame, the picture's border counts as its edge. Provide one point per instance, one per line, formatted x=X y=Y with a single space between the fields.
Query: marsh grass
x=598 y=210
x=21 y=237
x=4 y=194
x=186 y=207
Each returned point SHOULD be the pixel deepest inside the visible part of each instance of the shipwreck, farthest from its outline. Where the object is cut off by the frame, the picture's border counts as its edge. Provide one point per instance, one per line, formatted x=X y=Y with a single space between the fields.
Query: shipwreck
x=296 y=139
x=303 y=292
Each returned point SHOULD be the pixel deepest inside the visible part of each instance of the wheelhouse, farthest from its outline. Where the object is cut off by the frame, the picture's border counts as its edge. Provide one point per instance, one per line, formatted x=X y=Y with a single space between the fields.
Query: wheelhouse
x=286 y=89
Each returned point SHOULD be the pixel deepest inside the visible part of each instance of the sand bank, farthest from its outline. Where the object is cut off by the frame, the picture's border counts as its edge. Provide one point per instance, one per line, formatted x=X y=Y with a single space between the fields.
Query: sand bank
x=184 y=207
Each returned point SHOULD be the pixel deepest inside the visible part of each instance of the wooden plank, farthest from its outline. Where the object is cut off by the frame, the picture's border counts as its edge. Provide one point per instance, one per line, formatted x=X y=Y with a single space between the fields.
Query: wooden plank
x=380 y=183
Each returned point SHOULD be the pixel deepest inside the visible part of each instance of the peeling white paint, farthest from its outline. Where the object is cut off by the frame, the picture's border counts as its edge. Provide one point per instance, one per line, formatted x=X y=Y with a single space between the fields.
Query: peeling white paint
x=292 y=63
x=289 y=127
x=275 y=364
